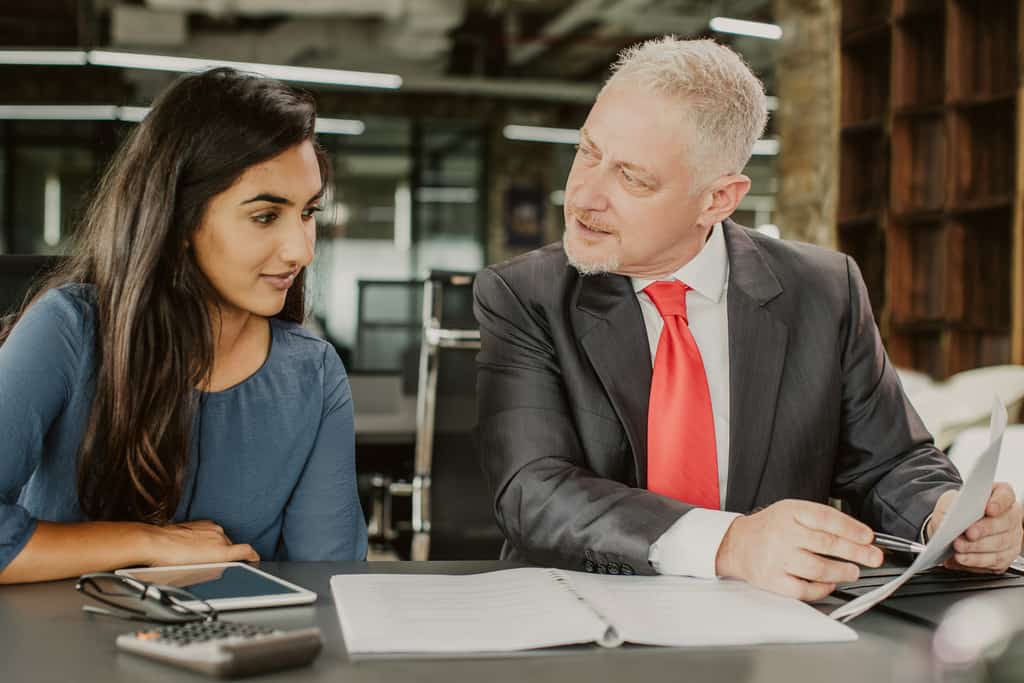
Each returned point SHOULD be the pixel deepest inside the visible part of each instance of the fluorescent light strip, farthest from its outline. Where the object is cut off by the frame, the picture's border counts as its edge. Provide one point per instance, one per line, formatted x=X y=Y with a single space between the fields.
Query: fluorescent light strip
x=561 y=136
x=43 y=57
x=766 y=147
x=340 y=126
x=60 y=112
x=304 y=74
x=135 y=114
x=446 y=195
x=755 y=29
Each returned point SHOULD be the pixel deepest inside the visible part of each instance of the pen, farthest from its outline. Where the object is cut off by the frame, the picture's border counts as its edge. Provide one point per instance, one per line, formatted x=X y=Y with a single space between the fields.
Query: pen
x=889 y=542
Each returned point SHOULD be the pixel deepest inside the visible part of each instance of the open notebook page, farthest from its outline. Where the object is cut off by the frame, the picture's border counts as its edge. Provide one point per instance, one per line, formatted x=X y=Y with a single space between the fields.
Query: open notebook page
x=680 y=611
x=502 y=611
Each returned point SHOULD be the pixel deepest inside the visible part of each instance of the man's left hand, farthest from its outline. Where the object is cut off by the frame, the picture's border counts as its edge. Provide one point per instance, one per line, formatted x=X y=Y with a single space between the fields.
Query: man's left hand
x=994 y=541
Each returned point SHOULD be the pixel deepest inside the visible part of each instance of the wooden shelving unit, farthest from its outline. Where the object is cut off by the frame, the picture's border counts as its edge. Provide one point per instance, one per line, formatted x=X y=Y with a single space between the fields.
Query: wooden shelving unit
x=930 y=190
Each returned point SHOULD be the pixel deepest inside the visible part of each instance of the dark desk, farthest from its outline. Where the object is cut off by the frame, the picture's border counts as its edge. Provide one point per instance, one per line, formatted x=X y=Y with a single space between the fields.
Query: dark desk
x=46 y=637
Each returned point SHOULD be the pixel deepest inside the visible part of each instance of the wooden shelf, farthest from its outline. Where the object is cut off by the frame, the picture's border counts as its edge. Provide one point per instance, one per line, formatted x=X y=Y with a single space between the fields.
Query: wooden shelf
x=982 y=101
x=861 y=220
x=872 y=125
x=929 y=196
x=919 y=110
x=860 y=14
x=984 y=204
x=915 y=216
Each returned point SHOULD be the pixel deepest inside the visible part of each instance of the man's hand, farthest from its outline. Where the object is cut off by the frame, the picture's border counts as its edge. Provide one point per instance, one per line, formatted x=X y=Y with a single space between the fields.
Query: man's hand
x=994 y=541
x=796 y=548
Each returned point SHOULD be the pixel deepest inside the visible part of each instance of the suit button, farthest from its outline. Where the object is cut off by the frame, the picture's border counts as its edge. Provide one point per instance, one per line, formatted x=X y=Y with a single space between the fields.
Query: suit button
x=627 y=569
x=613 y=567
x=588 y=566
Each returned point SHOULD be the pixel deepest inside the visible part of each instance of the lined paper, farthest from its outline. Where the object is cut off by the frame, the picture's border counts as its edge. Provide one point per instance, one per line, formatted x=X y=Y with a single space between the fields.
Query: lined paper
x=502 y=611
x=681 y=611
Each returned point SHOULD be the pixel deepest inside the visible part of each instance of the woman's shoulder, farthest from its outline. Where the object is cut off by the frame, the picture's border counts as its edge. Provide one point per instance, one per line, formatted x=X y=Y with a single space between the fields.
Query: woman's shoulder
x=71 y=305
x=299 y=344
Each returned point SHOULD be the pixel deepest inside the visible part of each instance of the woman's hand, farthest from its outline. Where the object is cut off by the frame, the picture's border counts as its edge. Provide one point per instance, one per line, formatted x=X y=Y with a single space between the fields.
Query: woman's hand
x=195 y=543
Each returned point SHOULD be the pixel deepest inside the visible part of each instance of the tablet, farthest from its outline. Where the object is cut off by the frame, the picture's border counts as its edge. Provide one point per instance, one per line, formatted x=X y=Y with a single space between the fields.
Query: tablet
x=226 y=585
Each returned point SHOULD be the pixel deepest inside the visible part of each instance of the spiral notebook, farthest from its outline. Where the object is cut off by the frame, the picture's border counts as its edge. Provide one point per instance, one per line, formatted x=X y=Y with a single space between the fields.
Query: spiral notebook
x=533 y=607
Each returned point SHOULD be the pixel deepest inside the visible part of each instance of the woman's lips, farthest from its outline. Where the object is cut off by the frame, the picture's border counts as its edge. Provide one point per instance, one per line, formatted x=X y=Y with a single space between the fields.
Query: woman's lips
x=280 y=281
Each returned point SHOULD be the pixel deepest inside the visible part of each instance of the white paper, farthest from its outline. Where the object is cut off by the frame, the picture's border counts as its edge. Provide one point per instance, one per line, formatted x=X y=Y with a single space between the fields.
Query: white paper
x=520 y=609
x=502 y=611
x=686 y=612
x=967 y=509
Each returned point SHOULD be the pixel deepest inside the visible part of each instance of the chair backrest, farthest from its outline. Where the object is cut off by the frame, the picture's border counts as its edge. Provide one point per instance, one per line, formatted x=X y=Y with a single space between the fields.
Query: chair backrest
x=458 y=509
x=17 y=273
x=388 y=324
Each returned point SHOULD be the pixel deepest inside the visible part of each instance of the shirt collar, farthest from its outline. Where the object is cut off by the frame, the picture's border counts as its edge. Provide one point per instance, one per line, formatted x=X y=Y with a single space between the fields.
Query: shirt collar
x=706 y=273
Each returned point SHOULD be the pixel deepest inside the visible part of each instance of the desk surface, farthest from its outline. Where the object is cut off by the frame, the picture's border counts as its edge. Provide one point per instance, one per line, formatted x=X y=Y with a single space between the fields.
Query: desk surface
x=46 y=636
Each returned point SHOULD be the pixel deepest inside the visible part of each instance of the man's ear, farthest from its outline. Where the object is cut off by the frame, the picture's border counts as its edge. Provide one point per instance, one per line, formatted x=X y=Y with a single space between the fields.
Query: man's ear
x=722 y=198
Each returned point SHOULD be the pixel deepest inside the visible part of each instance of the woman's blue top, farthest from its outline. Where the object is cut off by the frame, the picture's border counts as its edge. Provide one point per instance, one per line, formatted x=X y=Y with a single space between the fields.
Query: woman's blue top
x=272 y=461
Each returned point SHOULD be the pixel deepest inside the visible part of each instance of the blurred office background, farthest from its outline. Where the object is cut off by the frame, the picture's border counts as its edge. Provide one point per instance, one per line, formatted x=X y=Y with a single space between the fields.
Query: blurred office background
x=894 y=136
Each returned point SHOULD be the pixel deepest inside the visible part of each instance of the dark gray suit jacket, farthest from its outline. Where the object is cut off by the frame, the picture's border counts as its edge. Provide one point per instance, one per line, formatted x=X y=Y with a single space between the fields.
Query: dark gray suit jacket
x=816 y=408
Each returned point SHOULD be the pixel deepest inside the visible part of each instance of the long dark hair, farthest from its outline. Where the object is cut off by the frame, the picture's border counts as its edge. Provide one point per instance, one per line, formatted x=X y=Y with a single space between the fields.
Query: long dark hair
x=154 y=336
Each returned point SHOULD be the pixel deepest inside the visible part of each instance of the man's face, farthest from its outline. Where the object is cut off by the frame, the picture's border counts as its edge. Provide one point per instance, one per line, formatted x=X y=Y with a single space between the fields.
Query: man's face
x=630 y=204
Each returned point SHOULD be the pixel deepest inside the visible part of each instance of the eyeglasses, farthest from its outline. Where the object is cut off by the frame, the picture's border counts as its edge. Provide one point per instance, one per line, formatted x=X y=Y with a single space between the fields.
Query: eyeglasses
x=131 y=598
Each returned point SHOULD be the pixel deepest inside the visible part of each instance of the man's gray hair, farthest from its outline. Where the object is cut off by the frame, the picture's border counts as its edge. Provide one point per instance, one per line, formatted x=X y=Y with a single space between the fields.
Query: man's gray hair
x=720 y=95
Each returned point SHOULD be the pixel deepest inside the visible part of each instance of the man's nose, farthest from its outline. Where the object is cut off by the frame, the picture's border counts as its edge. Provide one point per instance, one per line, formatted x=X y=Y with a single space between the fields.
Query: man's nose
x=587 y=190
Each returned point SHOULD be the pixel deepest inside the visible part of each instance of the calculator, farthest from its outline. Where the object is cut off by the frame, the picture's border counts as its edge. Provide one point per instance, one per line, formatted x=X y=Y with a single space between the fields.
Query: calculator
x=225 y=649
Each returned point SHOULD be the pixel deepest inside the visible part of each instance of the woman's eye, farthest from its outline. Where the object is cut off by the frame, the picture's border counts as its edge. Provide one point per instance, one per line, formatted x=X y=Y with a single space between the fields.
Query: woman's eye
x=265 y=218
x=312 y=211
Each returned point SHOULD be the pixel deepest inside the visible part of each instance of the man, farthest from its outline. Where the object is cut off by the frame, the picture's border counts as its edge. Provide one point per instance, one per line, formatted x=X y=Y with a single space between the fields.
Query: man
x=669 y=392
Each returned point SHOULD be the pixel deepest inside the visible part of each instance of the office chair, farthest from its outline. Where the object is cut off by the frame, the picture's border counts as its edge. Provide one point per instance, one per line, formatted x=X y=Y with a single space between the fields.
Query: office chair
x=17 y=274
x=452 y=512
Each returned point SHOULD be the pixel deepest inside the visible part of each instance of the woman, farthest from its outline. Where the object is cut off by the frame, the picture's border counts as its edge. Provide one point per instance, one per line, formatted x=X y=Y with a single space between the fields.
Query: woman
x=159 y=401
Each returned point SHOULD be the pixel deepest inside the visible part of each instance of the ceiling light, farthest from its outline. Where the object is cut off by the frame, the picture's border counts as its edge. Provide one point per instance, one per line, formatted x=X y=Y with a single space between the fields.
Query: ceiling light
x=43 y=57
x=562 y=136
x=303 y=74
x=340 y=126
x=59 y=112
x=766 y=147
x=756 y=29
x=135 y=114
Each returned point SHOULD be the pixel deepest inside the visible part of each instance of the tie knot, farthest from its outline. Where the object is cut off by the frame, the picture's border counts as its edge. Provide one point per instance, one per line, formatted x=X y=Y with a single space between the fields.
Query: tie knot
x=669 y=297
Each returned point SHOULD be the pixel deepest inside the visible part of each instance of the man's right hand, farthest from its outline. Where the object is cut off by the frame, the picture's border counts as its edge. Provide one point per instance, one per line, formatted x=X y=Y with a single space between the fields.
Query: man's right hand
x=195 y=543
x=796 y=548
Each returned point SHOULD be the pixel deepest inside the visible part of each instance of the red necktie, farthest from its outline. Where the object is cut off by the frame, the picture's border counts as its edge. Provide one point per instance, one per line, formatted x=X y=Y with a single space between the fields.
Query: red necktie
x=681 y=458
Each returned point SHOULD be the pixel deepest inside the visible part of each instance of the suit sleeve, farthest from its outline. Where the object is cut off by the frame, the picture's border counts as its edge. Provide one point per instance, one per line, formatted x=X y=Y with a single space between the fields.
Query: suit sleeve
x=551 y=507
x=889 y=471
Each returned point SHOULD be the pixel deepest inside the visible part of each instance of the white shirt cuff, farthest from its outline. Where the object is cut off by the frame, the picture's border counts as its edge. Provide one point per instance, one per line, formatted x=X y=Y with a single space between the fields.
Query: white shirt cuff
x=689 y=547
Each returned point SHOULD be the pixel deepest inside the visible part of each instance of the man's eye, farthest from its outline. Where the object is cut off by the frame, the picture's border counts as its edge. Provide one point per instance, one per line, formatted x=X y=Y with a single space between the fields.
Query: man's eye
x=632 y=179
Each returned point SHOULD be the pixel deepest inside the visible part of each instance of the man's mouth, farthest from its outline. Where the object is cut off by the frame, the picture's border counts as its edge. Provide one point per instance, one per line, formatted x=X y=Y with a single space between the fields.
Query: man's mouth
x=590 y=227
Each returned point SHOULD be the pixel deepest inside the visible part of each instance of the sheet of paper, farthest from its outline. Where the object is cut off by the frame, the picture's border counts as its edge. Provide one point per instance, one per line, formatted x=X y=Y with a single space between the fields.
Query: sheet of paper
x=968 y=508
x=686 y=612
x=502 y=611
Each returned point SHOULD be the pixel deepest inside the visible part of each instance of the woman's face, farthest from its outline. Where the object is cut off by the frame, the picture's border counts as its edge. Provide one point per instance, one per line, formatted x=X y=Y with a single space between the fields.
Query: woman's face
x=258 y=234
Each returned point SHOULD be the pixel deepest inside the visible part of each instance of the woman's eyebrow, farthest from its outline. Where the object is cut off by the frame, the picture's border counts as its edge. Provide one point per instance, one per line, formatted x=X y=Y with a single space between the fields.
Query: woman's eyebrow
x=268 y=197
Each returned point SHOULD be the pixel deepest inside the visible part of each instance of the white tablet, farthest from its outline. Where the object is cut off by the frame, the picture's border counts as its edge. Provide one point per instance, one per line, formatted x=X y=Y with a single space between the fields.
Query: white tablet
x=226 y=585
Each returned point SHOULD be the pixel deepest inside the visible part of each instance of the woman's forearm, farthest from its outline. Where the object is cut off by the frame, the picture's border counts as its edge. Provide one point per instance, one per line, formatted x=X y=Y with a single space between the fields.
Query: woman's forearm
x=60 y=551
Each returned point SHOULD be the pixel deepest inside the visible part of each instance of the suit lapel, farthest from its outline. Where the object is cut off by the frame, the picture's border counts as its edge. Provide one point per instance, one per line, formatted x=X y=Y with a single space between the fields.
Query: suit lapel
x=757 y=350
x=610 y=328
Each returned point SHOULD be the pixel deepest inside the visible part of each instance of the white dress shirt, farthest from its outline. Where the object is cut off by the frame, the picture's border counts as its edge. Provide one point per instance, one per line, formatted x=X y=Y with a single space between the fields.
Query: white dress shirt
x=689 y=546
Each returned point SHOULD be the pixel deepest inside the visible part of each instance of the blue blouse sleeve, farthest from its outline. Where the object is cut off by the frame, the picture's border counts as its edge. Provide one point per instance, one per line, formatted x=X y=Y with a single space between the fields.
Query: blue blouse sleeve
x=323 y=519
x=37 y=370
